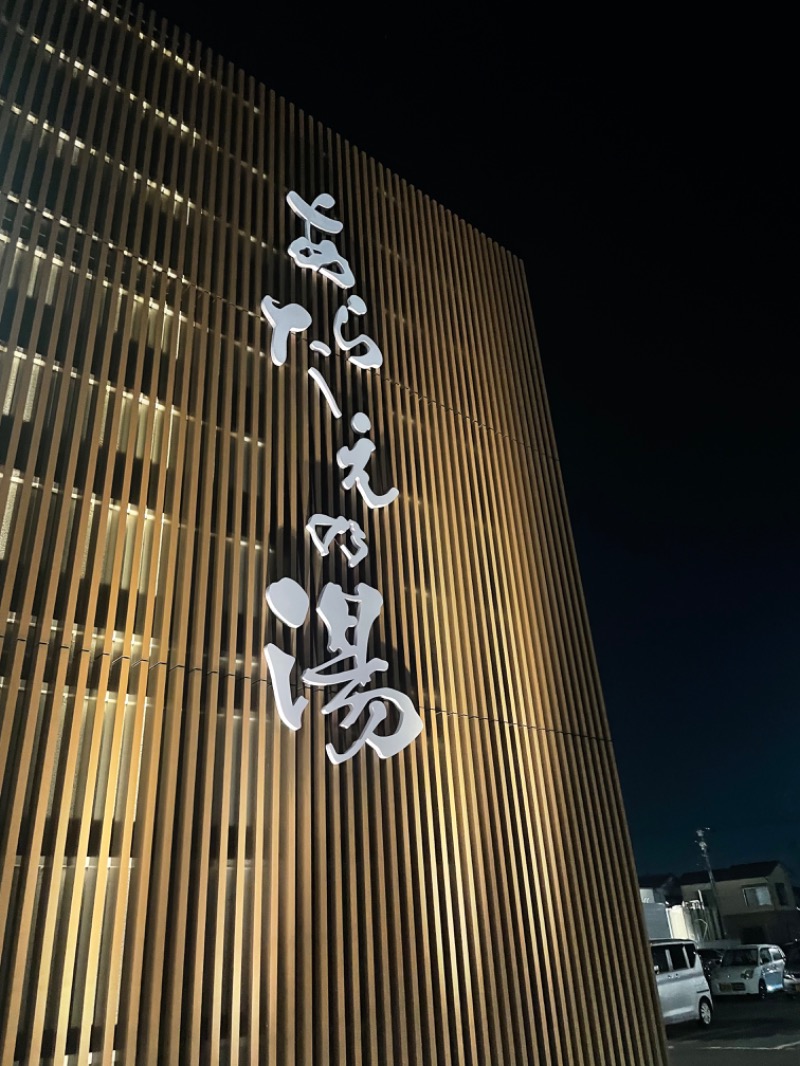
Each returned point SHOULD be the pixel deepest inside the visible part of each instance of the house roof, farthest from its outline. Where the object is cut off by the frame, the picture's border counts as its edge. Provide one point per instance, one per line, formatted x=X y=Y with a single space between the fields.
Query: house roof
x=655 y=880
x=740 y=872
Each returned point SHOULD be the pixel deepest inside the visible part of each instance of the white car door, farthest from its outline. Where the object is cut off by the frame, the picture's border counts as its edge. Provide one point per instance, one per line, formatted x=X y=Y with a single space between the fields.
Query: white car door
x=667 y=992
x=778 y=966
x=683 y=984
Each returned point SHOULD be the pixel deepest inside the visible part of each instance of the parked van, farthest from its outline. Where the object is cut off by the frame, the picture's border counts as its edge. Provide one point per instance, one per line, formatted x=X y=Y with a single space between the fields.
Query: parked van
x=683 y=990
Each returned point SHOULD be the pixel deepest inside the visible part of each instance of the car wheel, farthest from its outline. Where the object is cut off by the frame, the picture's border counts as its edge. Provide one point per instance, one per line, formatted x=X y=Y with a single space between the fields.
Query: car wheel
x=704 y=1014
x=762 y=990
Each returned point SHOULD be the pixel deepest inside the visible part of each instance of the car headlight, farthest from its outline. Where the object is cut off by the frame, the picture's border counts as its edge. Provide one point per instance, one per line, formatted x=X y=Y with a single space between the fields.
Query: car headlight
x=747 y=974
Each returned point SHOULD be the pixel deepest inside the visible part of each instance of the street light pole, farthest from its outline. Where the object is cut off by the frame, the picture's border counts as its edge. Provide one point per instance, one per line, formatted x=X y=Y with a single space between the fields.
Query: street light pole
x=702 y=843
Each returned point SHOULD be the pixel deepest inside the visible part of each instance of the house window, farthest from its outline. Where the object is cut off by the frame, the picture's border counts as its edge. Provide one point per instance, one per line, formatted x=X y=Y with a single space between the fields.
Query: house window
x=757 y=896
x=780 y=892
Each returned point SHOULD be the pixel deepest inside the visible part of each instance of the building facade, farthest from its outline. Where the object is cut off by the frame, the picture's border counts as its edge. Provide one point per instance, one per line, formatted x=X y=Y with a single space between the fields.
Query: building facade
x=668 y=915
x=756 y=901
x=202 y=860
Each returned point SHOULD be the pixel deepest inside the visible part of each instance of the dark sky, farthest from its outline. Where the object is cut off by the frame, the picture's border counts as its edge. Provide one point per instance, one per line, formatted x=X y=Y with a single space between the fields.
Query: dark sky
x=645 y=176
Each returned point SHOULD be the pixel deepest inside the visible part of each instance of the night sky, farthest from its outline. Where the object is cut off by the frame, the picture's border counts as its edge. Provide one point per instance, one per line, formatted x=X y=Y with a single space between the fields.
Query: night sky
x=643 y=175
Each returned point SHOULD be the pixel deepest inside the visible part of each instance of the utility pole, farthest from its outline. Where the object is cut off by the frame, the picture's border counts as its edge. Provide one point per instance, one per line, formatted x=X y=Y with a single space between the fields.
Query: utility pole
x=702 y=843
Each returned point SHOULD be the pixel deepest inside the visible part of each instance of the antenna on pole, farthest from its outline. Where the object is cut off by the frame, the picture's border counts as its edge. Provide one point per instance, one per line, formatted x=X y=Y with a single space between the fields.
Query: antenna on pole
x=702 y=843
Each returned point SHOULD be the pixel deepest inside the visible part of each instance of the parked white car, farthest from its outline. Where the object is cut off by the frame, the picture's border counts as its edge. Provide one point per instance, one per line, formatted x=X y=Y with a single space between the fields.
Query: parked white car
x=683 y=992
x=791 y=972
x=749 y=970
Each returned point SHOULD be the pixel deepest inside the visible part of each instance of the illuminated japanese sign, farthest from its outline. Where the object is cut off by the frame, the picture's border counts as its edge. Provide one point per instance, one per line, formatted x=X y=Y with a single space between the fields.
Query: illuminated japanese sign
x=350 y=668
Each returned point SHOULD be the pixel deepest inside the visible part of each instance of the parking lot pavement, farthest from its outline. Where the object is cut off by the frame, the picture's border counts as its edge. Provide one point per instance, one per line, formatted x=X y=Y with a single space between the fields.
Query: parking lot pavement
x=744 y=1032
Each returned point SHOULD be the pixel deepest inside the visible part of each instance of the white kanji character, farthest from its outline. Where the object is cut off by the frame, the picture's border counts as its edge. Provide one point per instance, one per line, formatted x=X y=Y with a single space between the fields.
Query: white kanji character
x=356 y=458
x=371 y=357
x=289 y=602
x=335 y=527
x=322 y=256
x=333 y=609
x=311 y=213
x=293 y=318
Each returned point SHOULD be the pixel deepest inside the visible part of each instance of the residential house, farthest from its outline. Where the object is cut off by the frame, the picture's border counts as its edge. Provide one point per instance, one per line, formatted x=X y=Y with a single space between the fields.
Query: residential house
x=756 y=901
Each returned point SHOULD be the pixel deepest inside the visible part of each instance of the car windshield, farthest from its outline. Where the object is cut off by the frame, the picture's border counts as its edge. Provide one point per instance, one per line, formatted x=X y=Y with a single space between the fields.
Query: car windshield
x=740 y=957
